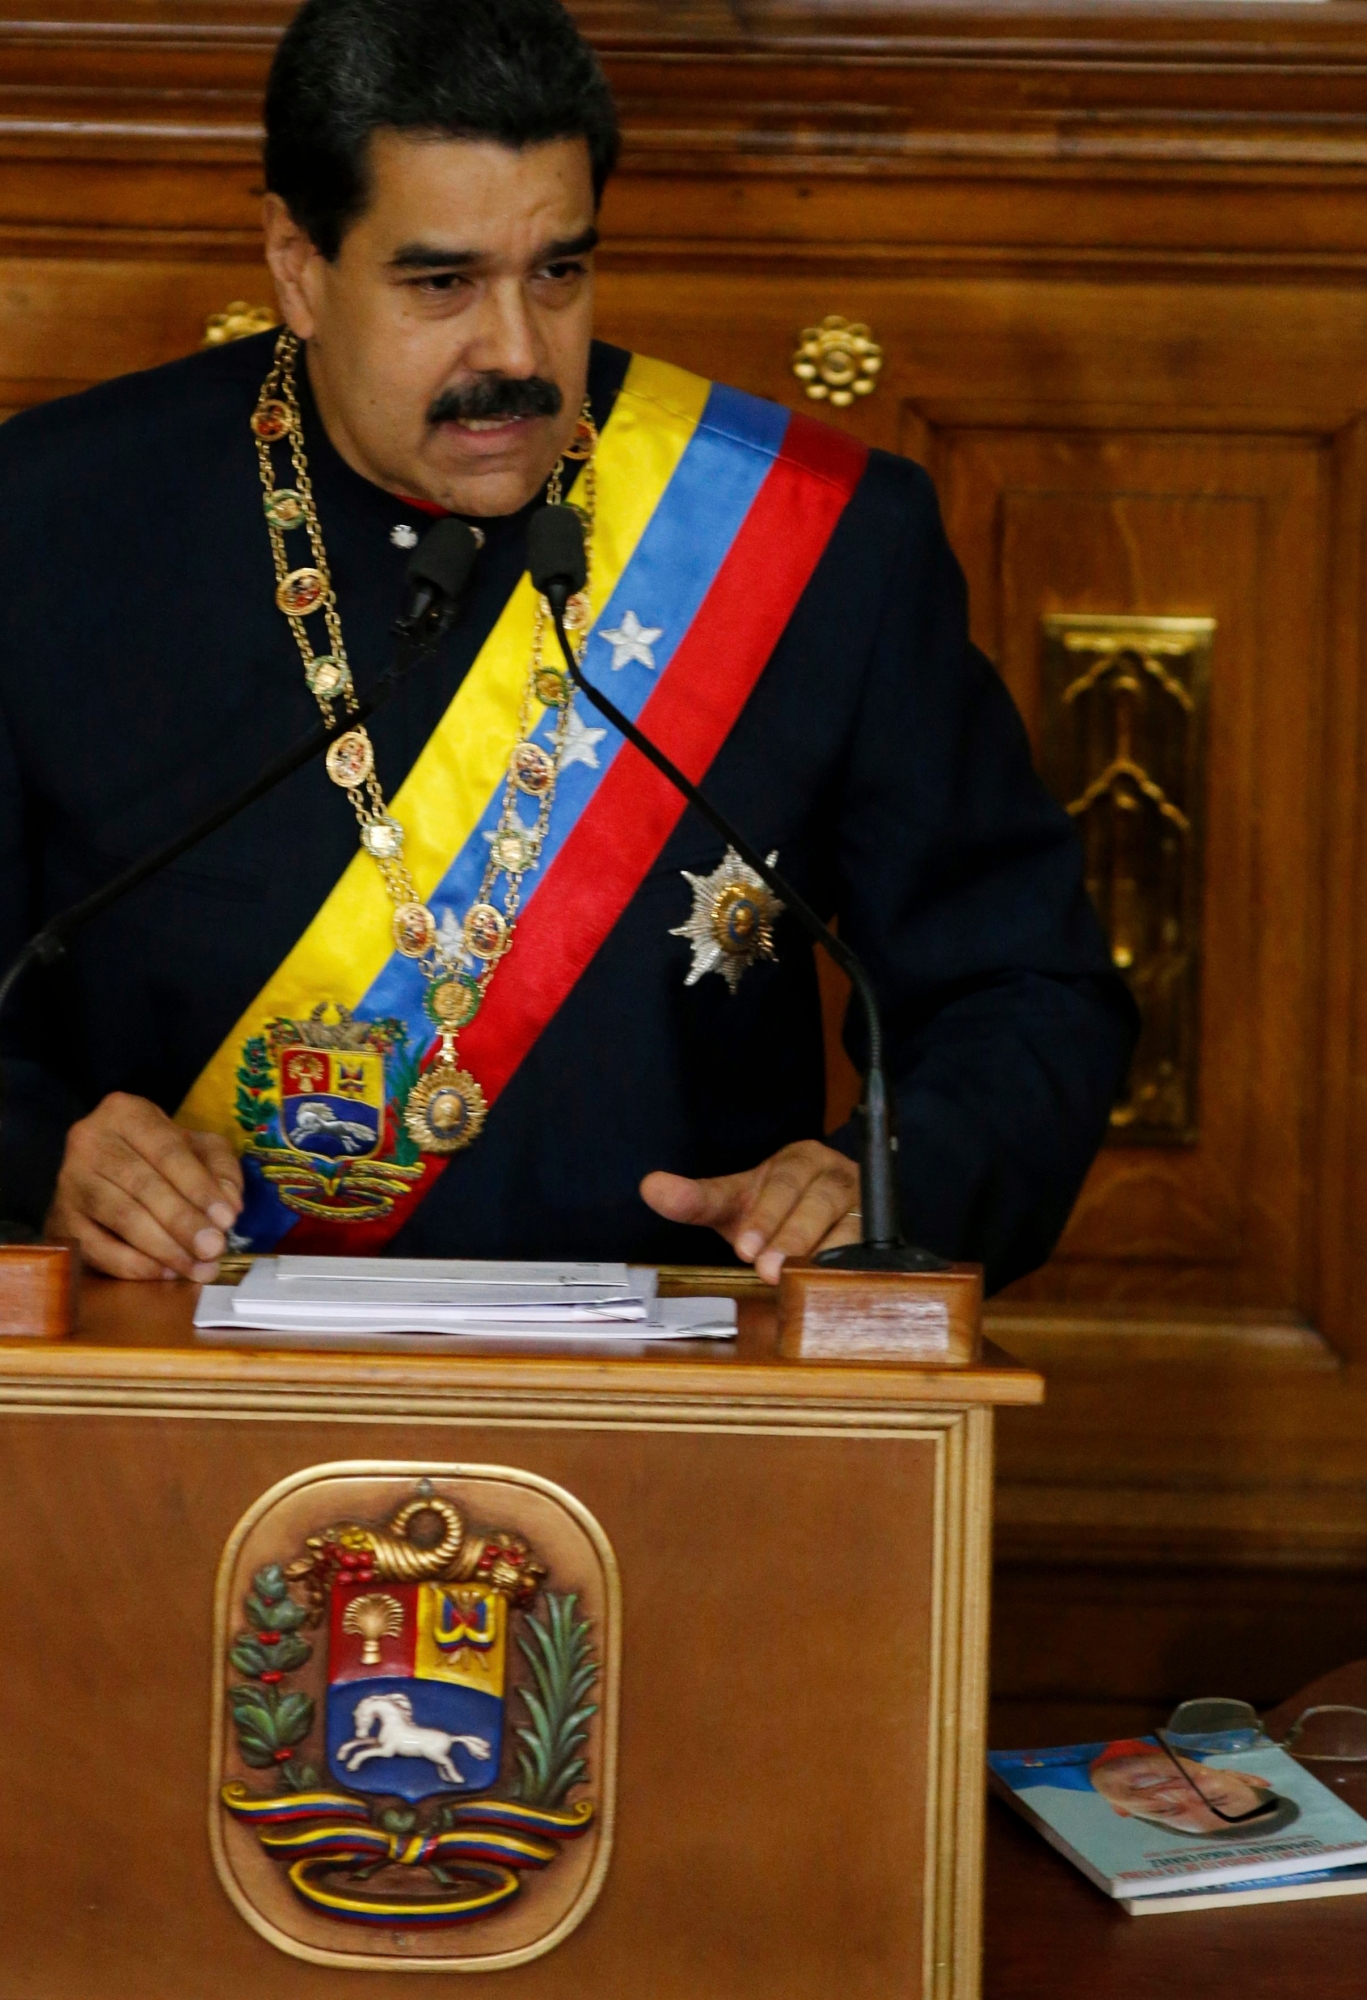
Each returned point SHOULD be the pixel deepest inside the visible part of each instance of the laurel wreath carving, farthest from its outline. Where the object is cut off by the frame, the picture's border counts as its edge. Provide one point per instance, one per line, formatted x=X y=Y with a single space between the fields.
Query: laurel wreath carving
x=269 y=1720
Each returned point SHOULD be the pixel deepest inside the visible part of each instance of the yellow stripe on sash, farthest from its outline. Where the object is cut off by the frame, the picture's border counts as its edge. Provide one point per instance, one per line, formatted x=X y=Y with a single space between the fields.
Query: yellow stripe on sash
x=464 y=762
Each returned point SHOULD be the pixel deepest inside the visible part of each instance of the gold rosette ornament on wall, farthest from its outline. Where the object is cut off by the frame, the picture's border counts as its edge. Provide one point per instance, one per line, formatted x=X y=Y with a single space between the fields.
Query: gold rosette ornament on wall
x=238 y=321
x=837 y=361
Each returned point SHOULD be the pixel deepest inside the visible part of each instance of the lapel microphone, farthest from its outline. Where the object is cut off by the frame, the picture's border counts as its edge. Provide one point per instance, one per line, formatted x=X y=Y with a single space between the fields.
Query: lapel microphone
x=558 y=565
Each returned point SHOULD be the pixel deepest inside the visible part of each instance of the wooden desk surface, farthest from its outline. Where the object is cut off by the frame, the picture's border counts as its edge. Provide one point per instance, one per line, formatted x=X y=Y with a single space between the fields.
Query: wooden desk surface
x=1049 y=1935
x=137 y=1339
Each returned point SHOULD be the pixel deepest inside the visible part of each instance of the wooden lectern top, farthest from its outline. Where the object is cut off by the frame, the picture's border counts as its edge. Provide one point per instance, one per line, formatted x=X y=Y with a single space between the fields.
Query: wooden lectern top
x=139 y=1336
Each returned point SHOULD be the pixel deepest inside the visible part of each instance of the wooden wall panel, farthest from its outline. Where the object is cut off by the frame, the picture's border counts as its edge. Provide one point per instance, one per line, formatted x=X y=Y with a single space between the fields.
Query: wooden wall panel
x=991 y=347
x=1232 y=529
x=1117 y=261
x=1125 y=1646
x=69 y=322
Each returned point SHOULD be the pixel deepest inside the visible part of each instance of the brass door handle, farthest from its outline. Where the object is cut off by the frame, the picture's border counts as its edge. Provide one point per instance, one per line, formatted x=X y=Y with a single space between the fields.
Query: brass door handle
x=837 y=361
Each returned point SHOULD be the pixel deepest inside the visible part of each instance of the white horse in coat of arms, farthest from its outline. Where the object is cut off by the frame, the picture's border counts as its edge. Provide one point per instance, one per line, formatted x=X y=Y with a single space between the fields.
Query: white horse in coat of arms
x=385 y=1727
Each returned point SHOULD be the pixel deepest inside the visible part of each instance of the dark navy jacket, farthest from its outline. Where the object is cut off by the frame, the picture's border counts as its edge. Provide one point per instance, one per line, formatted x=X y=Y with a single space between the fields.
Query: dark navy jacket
x=145 y=673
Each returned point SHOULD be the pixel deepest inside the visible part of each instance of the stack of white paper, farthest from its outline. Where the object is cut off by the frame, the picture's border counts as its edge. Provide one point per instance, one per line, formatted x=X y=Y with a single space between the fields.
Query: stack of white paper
x=340 y=1296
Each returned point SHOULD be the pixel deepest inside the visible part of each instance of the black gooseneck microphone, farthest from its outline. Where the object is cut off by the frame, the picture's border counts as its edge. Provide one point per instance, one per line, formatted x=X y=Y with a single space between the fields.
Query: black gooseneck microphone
x=555 y=542
x=436 y=575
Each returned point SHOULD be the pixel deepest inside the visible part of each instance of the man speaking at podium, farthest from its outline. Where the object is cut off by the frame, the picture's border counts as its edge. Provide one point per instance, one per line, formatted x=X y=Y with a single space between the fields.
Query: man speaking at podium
x=479 y=984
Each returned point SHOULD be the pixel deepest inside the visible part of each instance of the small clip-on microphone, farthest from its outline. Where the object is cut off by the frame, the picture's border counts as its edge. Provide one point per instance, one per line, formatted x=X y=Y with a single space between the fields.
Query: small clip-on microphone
x=559 y=568
x=436 y=575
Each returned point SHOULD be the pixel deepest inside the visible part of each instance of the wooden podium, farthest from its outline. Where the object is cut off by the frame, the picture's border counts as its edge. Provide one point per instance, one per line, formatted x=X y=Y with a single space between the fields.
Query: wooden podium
x=783 y=1566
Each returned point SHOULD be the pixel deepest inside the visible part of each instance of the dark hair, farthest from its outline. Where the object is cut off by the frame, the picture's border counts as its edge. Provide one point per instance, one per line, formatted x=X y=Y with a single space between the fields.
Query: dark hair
x=516 y=71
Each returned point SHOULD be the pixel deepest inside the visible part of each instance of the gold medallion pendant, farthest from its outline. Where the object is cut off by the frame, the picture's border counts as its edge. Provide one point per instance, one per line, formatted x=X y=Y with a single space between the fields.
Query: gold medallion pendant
x=486 y=933
x=731 y=926
x=454 y=1003
x=327 y=676
x=551 y=686
x=413 y=928
x=383 y=838
x=532 y=770
x=272 y=420
x=284 y=508
x=446 y=1108
x=513 y=848
x=350 y=760
x=578 y=613
x=302 y=591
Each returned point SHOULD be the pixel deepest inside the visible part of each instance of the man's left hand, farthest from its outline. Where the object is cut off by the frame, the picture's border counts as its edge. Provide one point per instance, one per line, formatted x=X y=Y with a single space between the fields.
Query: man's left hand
x=801 y=1200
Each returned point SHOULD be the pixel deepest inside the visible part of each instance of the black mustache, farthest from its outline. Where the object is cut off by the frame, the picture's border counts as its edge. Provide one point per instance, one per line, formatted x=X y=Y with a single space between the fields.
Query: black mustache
x=497 y=396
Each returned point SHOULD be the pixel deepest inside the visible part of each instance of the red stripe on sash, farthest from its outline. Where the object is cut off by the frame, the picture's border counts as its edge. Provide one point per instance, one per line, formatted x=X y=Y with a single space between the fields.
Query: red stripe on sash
x=621 y=831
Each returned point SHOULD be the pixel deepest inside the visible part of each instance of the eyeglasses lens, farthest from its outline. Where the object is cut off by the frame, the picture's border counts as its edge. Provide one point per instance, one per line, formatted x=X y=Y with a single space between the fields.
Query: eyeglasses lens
x=1212 y=1717
x=1335 y=1734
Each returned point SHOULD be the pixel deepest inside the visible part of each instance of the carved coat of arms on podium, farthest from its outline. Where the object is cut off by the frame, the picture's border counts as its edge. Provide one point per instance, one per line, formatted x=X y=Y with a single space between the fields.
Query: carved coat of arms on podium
x=415 y=1748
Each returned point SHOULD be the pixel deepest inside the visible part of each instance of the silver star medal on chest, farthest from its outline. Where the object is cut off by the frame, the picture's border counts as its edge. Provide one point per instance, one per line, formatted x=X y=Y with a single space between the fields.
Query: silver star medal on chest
x=732 y=922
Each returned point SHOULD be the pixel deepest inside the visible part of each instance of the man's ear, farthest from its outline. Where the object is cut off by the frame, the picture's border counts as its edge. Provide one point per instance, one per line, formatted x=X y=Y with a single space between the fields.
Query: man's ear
x=294 y=259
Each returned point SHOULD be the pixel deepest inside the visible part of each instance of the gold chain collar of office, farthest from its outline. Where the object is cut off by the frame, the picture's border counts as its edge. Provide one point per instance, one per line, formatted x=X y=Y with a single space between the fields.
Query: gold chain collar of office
x=446 y=1108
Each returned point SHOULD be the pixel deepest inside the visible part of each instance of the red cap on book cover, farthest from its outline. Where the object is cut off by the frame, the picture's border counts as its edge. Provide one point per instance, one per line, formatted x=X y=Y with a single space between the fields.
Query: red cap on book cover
x=1124 y=1746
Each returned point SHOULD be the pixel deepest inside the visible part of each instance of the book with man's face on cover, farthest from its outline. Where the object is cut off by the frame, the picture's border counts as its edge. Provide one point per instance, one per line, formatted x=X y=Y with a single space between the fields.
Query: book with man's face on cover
x=1143 y=1819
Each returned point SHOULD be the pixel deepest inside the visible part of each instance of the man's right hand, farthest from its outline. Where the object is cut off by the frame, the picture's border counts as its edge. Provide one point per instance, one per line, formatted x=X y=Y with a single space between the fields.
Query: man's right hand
x=144 y=1198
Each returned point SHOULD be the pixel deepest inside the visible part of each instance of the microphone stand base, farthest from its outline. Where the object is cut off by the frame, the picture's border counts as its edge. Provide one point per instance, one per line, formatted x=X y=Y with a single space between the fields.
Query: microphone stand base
x=880 y=1257
x=922 y=1317
x=37 y=1290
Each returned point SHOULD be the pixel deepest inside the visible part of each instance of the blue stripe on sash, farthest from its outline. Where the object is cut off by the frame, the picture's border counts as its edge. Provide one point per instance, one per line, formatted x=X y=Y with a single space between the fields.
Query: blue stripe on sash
x=684 y=545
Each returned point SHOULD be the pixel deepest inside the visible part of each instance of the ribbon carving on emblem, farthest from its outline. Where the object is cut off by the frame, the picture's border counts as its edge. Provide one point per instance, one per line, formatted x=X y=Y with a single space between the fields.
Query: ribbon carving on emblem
x=419 y=1716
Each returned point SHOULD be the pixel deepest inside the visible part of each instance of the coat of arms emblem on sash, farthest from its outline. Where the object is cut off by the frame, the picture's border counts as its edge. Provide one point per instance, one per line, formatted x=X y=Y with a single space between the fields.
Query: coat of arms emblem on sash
x=415 y=1755
x=321 y=1103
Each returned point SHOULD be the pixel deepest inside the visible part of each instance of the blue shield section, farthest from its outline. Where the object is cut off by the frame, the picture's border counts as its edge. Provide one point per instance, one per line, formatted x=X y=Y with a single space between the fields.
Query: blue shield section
x=333 y=1128
x=394 y=1737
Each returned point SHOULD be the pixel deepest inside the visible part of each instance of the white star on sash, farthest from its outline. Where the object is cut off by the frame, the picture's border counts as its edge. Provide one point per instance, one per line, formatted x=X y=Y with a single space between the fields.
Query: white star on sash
x=514 y=826
x=581 y=742
x=632 y=640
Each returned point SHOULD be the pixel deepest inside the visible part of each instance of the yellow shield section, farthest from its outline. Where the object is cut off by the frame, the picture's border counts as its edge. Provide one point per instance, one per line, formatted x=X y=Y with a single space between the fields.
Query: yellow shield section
x=462 y=1635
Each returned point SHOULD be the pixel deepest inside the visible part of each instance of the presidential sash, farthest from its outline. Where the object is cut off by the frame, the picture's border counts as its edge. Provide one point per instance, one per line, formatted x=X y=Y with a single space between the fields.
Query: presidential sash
x=713 y=510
